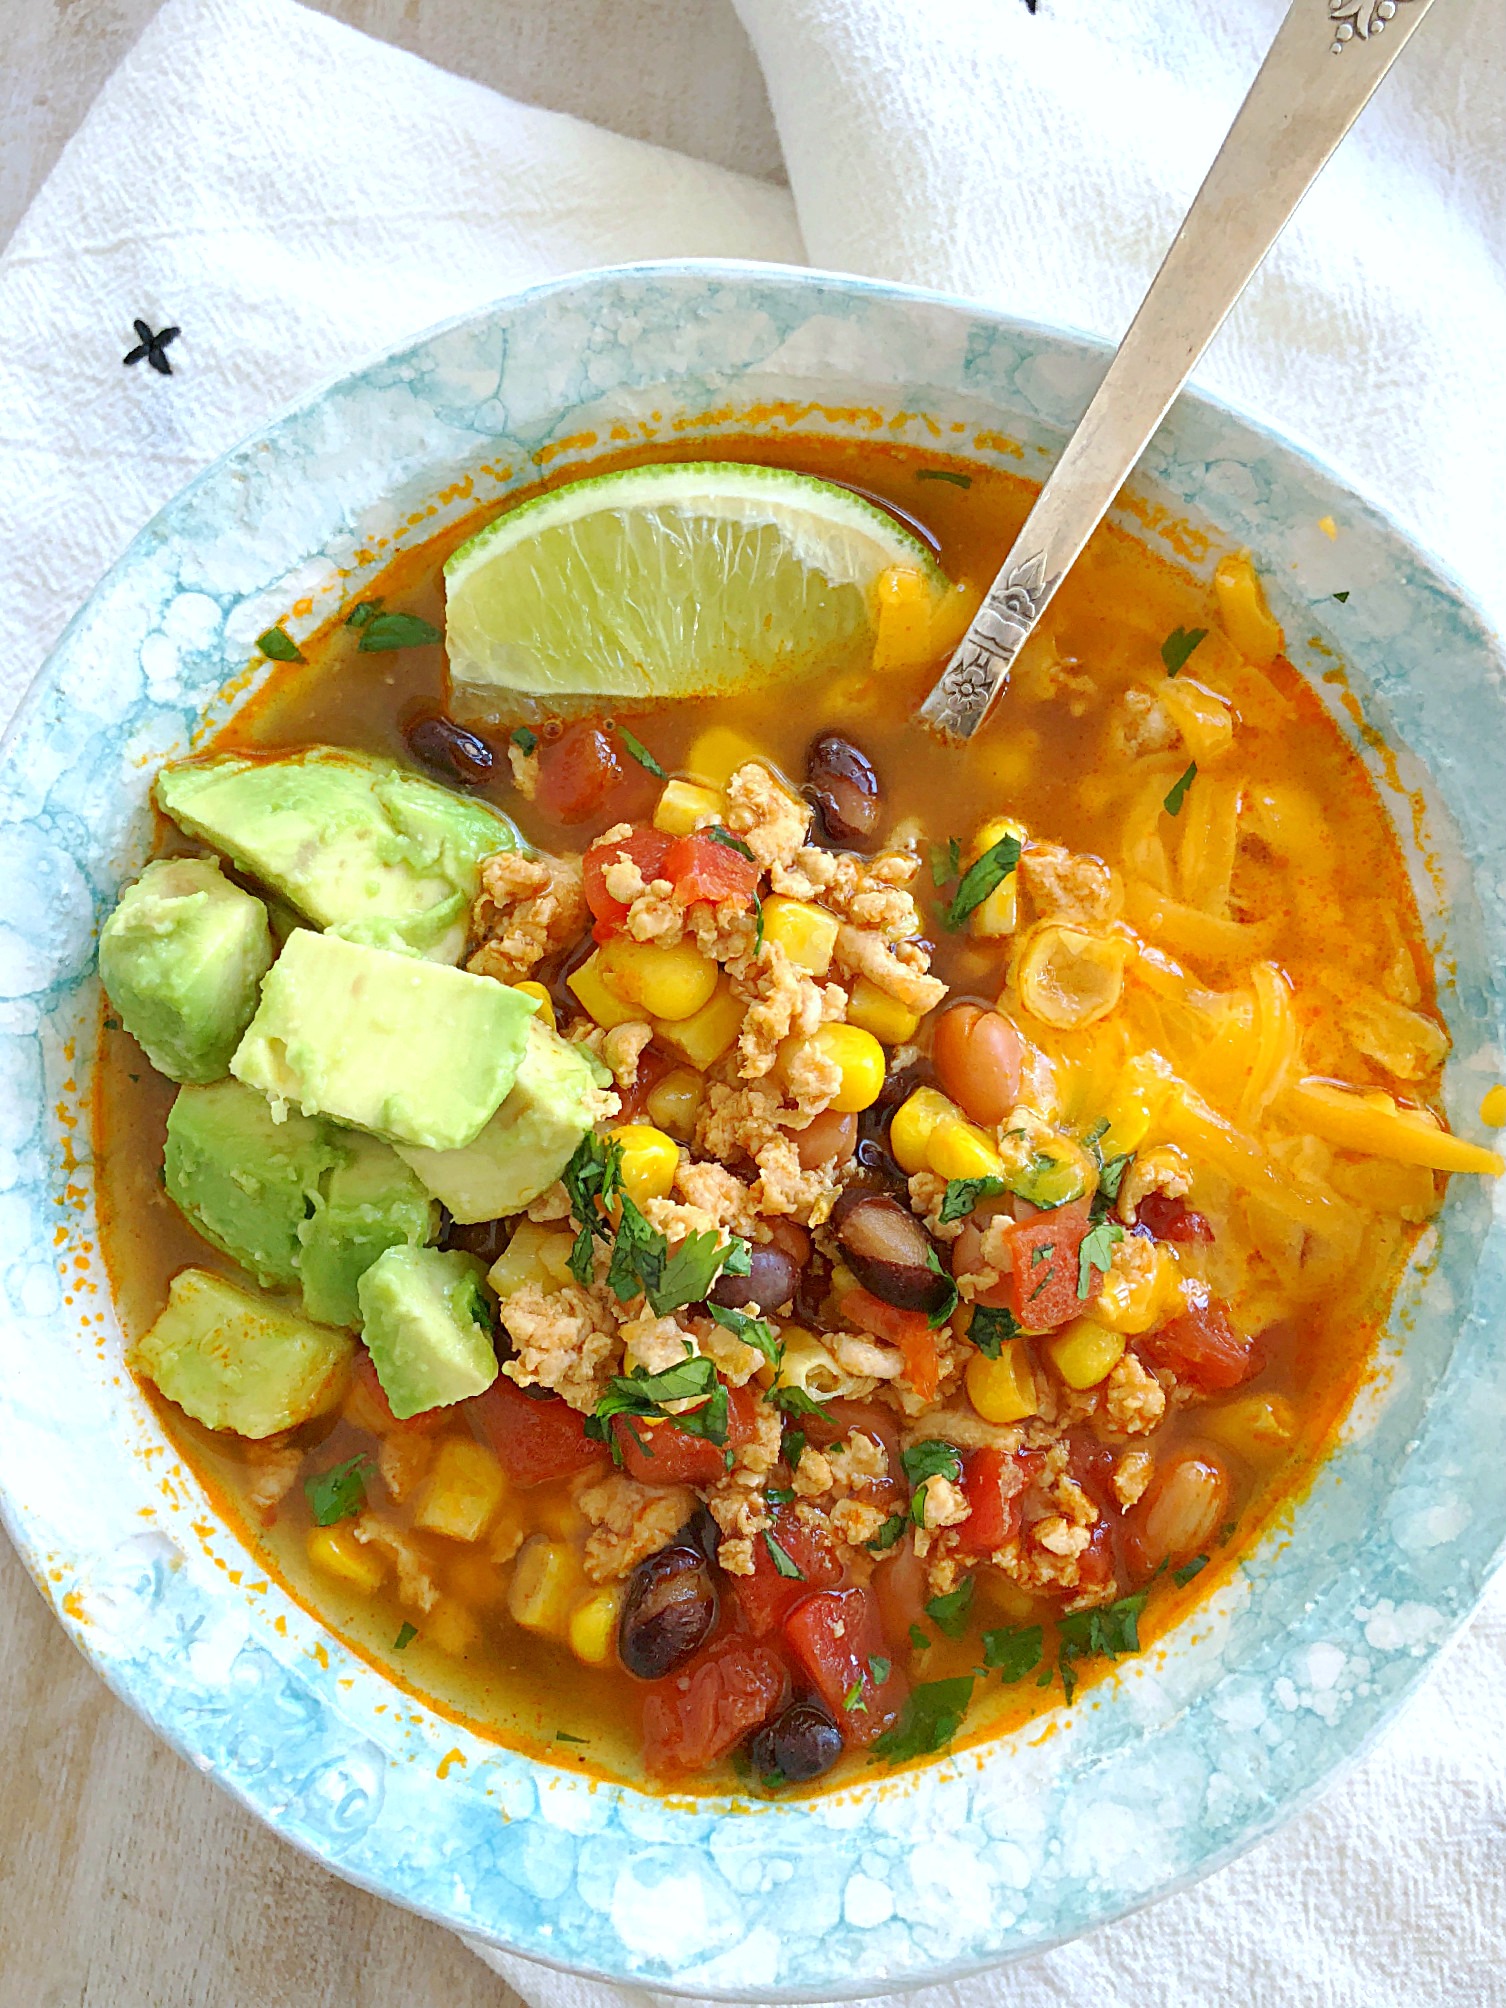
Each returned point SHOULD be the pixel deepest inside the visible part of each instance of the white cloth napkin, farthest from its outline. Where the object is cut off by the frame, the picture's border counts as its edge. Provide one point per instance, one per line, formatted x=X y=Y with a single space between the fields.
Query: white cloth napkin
x=298 y=197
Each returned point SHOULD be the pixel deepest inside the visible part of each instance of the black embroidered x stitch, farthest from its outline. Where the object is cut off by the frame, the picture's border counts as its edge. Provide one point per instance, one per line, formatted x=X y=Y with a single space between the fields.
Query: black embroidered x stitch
x=153 y=347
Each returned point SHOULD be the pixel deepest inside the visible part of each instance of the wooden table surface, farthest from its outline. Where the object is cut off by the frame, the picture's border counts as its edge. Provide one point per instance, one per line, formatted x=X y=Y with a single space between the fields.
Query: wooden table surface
x=127 y=1880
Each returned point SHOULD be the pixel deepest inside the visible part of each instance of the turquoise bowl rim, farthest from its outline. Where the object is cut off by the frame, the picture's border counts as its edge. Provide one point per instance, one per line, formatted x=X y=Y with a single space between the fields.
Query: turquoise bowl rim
x=1167 y=1768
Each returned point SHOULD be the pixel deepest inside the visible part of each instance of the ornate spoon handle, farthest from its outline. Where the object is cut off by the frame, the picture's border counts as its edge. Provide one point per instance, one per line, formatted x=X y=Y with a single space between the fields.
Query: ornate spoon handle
x=1325 y=63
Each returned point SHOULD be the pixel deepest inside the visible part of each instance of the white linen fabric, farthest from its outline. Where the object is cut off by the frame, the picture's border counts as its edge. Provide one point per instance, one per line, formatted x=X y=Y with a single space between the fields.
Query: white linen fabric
x=300 y=197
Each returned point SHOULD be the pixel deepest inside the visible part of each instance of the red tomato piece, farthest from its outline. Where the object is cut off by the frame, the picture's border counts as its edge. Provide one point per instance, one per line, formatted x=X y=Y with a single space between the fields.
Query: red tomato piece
x=692 y=1717
x=534 y=1441
x=1172 y=1219
x=670 y=1455
x=647 y=847
x=992 y=1482
x=702 y=868
x=767 y=1596
x=837 y=1636
x=1043 y=1282
x=368 y=1407
x=577 y=772
x=899 y=1583
x=1202 y=1348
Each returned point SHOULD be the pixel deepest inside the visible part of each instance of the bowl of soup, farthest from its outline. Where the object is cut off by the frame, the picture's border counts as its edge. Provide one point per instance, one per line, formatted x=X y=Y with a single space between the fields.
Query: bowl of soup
x=716 y=1342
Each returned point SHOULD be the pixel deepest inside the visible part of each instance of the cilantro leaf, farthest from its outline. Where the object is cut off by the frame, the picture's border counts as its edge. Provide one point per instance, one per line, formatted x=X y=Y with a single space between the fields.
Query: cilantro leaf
x=388 y=631
x=640 y=752
x=277 y=643
x=406 y=1634
x=583 y=1257
x=853 y=1700
x=644 y=1394
x=946 y=862
x=564 y=1736
x=339 y=1493
x=779 y=1495
x=522 y=738
x=1014 y=1650
x=963 y=1194
x=991 y=1325
x=949 y=1613
x=782 y=1559
x=793 y=1401
x=889 y=1533
x=1096 y=1252
x=980 y=879
x=1183 y=1576
x=1109 y=1631
x=792 y=1449
x=879 y=1669
x=638 y=1256
x=929 y=1458
x=919 y=1640
x=689 y=1273
x=944 y=474
x=1178 y=645
x=948 y=1303
x=932 y=1716
x=1178 y=793
x=363 y=612
x=1341 y=597
x=755 y=1332
x=593 y=1179
x=727 y=841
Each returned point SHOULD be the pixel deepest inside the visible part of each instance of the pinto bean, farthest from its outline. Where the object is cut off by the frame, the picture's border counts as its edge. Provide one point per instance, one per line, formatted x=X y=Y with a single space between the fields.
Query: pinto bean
x=1186 y=1505
x=830 y=1139
x=669 y=1610
x=978 y=1055
x=841 y=782
x=889 y=1251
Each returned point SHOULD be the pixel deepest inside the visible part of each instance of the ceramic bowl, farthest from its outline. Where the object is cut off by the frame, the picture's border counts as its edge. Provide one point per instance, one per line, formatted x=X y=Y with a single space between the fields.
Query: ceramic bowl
x=1159 y=1773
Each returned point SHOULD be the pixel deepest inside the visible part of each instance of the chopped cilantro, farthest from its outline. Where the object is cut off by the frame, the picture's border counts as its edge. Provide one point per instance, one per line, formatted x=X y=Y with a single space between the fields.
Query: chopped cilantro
x=779 y=1495
x=932 y=1716
x=1014 y=1650
x=757 y=923
x=362 y=613
x=593 y=1178
x=853 y=1700
x=1096 y=1252
x=339 y=1493
x=640 y=752
x=692 y=1269
x=944 y=474
x=793 y=1401
x=638 y=1256
x=889 y=1533
x=793 y=1447
x=946 y=862
x=583 y=1258
x=728 y=842
x=1178 y=645
x=878 y=1670
x=930 y=1458
x=1341 y=597
x=1104 y=1633
x=991 y=1325
x=980 y=879
x=1178 y=793
x=949 y=1613
x=963 y=1194
x=948 y=1303
x=755 y=1332
x=1183 y=1576
x=279 y=645
x=564 y=1736
x=406 y=1634
x=919 y=1639
x=522 y=738
x=782 y=1559
x=644 y=1394
x=388 y=631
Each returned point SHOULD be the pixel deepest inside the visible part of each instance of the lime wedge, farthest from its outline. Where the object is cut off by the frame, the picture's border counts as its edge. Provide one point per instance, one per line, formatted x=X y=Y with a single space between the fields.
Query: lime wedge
x=671 y=581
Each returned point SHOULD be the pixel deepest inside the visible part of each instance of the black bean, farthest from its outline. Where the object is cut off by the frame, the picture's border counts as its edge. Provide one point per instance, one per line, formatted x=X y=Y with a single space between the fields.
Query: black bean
x=669 y=1609
x=486 y=1238
x=842 y=784
x=448 y=749
x=889 y=1251
x=799 y=1744
x=771 y=1282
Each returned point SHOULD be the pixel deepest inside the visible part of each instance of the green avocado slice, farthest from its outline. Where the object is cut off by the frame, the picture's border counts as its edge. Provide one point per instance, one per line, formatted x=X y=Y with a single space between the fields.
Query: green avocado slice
x=426 y=1328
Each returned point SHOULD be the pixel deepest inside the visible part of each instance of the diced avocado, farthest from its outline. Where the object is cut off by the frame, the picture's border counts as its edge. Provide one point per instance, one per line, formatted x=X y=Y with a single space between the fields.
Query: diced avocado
x=180 y=958
x=412 y=1051
x=426 y=1327
x=354 y=842
x=528 y=1142
x=369 y=1202
x=233 y=1360
x=247 y=1182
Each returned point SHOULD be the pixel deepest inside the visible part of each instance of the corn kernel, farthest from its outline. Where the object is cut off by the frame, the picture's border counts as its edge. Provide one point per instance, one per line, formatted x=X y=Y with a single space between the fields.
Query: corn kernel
x=1003 y=1390
x=593 y=1626
x=999 y=914
x=1493 y=1107
x=1085 y=1352
x=904 y=619
x=957 y=1148
x=555 y=1251
x=509 y=1530
x=552 y=1511
x=670 y=980
x=650 y=1160
x=806 y=933
x=596 y=997
x=703 y=1037
x=337 y=1552
x=1248 y=621
x=544 y=1001
x=462 y=1492
x=875 y=1011
x=718 y=753
x=546 y=1580
x=685 y=805
x=451 y=1627
x=674 y=1102
x=911 y=1125
x=1257 y=1427
x=1139 y=1295
x=1134 y=1103
x=521 y=1262
x=856 y=1054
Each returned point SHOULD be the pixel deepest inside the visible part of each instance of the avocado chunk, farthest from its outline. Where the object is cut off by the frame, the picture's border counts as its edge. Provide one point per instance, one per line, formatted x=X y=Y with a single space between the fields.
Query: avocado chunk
x=427 y=1328
x=245 y=1181
x=413 y=1051
x=180 y=959
x=352 y=841
x=233 y=1360
x=527 y=1143
x=369 y=1202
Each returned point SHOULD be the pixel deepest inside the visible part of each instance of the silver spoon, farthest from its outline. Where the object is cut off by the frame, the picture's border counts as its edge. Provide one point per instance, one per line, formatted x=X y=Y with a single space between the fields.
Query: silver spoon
x=1321 y=71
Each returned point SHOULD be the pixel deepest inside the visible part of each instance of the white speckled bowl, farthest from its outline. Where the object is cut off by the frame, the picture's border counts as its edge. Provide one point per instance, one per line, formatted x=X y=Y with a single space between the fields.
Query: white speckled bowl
x=1187 y=1754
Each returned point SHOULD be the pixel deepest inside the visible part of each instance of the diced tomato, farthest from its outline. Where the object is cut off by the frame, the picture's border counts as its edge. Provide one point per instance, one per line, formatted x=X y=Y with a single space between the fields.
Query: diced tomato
x=993 y=1482
x=1095 y=1565
x=647 y=847
x=577 y=773
x=1172 y=1219
x=837 y=1636
x=670 y=1455
x=692 y=1717
x=533 y=1440
x=906 y=1329
x=367 y=1406
x=1202 y=1348
x=702 y=868
x=899 y=1583
x=1043 y=1281
x=767 y=1596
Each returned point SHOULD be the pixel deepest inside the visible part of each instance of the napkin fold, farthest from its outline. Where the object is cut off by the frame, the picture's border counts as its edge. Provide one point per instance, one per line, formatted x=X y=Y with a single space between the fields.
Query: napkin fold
x=298 y=197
